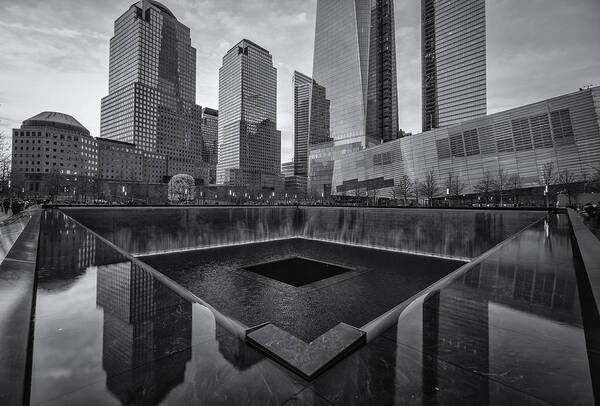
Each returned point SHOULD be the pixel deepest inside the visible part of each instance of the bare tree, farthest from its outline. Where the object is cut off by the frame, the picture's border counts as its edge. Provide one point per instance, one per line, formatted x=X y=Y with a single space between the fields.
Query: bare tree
x=548 y=179
x=404 y=188
x=373 y=188
x=54 y=183
x=588 y=181
x=595 y=178
x=565 y=177
x=418 y=186
x=485 y=185
x=373 y=193
x=500 y=184
x=567 y=180
x=394 y=194
x=515 y=185
x=429 y=187
x=5 y=163
x=454 y=187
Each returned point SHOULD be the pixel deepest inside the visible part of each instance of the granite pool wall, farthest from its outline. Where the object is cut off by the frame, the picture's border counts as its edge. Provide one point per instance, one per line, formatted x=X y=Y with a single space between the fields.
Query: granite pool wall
x=458 y=234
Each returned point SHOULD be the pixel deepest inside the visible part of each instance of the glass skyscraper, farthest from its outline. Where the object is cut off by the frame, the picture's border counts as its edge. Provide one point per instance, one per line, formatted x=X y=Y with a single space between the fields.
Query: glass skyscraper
x=453 y=61
x=355 y=60
x=311 y=119
x=152 y=88
x=249 y=142
x=210 y=128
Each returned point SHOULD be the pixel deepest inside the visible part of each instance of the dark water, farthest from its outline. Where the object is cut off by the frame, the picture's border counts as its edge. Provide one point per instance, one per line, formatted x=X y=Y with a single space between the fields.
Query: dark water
x=297 y=271
x=510 y=331
x=463 y=234
x=380 y=281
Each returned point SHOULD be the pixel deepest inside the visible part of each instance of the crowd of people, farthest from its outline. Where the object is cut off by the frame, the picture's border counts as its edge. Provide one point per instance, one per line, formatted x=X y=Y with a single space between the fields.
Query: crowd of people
x=15 y=206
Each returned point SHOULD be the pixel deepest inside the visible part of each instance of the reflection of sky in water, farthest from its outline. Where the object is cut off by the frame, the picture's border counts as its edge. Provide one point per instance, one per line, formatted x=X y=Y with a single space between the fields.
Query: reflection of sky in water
x=107 y=333
x=8 y=235
x=514 y=318
x=117 y=352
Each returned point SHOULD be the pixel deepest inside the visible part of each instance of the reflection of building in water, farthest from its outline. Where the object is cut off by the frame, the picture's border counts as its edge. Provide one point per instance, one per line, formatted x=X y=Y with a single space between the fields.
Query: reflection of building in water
x=59 y=239
x=68 y=251
x=544 y=284
x=454 y=323
x=147 y=334
x=236 y=351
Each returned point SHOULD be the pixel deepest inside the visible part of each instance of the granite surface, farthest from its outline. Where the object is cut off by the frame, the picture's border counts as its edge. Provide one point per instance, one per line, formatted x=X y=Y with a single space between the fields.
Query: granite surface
x=589 y=248
x=380 y=281
x=307 y=359
x=17 y=278
x=456 y=234
x=508 y=332
x=588 y=256
x=10 y=230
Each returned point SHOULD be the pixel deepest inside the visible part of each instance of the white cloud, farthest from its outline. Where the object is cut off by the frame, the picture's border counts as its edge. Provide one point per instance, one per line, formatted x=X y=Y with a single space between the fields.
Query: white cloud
x=536 y=49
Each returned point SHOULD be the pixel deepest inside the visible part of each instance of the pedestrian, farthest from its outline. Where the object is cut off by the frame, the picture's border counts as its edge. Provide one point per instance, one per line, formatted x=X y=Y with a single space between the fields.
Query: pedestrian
x=6 y=205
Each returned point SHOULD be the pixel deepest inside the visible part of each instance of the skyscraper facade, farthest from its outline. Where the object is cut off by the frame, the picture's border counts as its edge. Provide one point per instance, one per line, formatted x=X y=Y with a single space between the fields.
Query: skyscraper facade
x=249 y=143
x=210 y=130
x=355 y=60
x=311 y=119
x=152 y=88
x=453 y=61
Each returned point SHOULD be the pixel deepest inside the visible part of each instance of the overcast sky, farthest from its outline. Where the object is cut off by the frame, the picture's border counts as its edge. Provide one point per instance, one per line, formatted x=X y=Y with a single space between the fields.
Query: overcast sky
x=54 y=54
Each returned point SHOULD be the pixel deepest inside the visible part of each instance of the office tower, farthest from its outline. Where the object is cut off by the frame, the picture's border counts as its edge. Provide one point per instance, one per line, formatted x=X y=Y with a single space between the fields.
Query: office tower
x=49 y=146
x=249 y=143
x=152 y=88
x=210 y=131
x=287 y=169
x=119 y=161
x=453 y=61
x=355 y=60
x=311 y=119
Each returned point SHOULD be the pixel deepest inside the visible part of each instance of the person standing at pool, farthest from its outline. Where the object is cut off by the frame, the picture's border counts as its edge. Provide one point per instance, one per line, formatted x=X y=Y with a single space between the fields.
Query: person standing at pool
x=6 y=205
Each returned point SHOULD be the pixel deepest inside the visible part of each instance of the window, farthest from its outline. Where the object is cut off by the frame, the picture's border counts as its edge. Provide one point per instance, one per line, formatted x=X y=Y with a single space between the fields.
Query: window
x=387 y=158
x=443 y=148
x=561 y=124
x=540 y=130
x=522 y=134
x=456 y=145
x=471 y=142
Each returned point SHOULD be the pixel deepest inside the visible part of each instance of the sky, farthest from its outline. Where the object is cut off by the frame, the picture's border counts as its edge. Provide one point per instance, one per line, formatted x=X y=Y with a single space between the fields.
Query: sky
x=54 y=54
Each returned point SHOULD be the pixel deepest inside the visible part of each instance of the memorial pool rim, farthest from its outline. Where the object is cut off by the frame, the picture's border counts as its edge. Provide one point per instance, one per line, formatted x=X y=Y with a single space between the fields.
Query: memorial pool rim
x=270 y=340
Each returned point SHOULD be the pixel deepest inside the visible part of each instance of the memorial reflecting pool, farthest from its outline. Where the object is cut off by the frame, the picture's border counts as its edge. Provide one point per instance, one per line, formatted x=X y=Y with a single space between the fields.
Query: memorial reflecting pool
x=170 y=324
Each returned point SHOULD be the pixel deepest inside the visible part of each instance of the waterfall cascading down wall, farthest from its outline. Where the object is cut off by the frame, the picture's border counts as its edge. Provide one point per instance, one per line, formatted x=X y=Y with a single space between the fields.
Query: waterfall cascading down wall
x=463 y=234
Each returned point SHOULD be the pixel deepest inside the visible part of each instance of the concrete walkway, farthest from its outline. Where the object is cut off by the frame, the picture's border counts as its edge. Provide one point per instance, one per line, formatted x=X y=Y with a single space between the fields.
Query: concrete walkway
x=5 y=216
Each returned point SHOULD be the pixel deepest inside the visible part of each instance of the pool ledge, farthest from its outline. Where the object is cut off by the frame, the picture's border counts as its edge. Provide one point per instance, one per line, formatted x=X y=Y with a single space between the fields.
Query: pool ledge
x=306 y=359
x=17 y=287
x=387 y=320
x=589 y=249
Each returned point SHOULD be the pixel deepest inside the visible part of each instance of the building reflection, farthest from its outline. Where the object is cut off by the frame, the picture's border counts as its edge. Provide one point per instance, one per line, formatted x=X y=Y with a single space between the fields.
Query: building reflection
x=454 y=327
x=530 y=275
x=147 y=334
x=237 y=352
x=69 y=250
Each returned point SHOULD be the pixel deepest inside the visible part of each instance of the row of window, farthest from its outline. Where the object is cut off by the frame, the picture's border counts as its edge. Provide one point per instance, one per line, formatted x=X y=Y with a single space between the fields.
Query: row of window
x=528 y=133
x=47 y=135
x=384 y=158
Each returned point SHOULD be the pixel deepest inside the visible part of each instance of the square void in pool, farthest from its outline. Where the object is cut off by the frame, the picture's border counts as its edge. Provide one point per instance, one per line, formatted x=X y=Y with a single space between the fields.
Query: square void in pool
x=297 y=271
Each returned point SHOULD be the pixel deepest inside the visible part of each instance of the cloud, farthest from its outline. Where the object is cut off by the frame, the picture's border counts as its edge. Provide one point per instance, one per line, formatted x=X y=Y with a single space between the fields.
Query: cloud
x=55 y=53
